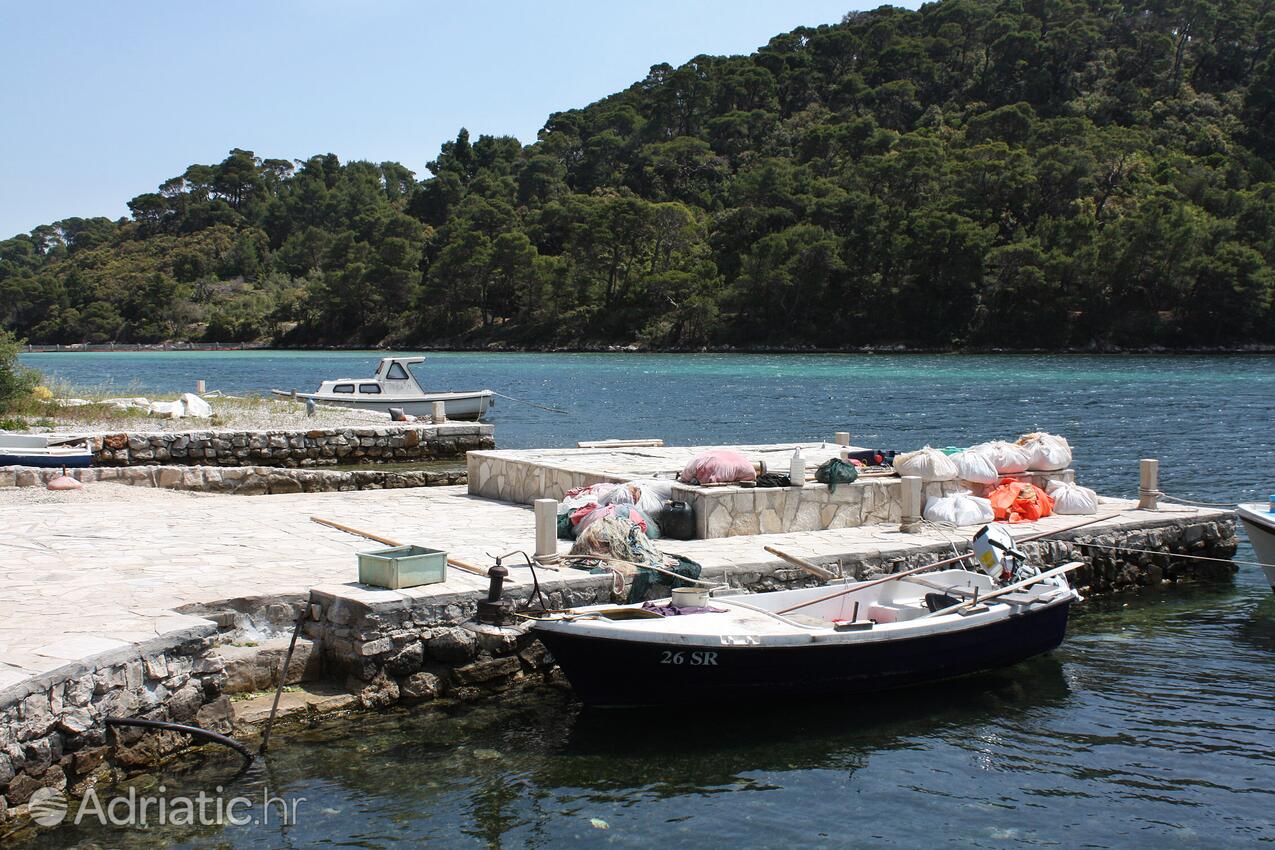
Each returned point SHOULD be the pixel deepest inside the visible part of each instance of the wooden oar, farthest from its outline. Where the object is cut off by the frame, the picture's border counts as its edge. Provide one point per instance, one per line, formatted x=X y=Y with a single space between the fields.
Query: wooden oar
x=455 y=562
x=1056 y=571
x=942 y=563
x=802 y=564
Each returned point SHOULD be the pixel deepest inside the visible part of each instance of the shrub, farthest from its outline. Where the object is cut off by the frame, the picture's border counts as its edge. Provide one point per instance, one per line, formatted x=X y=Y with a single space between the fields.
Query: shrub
x=16 y=380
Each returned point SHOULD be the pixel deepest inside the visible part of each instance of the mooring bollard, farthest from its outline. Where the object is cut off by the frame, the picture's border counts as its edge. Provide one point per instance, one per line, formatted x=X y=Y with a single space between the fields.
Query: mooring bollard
x=546 y=530
x=842 y=438
x=911 y=504
x=1148 y=484
x=440 y=412
x=200 y=387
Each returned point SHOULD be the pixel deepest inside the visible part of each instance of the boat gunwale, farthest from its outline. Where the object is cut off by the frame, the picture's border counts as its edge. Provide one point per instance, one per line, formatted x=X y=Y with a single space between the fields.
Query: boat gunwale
x=908 y=630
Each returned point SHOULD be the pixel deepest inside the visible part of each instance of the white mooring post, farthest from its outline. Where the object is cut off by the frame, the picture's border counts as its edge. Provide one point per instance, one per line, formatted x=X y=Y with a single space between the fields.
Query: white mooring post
x=200 y=387
x=440 y=412
x=842 y=438
x=911 y=504
x=546 y=530
x=1148 y=484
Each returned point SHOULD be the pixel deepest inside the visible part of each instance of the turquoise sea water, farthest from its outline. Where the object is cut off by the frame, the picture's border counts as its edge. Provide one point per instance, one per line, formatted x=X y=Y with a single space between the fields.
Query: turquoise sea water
x=1153 y=726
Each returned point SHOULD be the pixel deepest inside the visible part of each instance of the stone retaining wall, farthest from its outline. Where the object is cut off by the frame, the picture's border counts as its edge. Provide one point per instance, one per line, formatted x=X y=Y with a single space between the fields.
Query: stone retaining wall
x=315 y=447
x=241 y=480
x=871 y=500
x=410 y=645
x=52 y=733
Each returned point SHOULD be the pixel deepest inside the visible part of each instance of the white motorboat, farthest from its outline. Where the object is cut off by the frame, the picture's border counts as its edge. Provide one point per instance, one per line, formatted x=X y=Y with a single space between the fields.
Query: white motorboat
x=394 y=385
x=1259 y=522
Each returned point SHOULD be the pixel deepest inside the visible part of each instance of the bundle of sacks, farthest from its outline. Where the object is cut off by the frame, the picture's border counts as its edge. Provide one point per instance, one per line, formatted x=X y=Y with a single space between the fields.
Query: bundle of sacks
x=1036 y=452
x=929 y=463
x=960 y=508
x=639 y=502
x=718 y=466
x=1045 y=452
x=1071 y=498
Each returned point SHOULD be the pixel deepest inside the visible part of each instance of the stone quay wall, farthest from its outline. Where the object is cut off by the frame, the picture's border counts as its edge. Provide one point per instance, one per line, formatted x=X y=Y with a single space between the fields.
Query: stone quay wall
x=241 y=480
x=313 y=447
x=52 y=733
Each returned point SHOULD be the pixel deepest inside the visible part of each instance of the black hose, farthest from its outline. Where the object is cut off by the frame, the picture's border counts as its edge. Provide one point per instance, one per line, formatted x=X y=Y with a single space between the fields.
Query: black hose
x=193 y=731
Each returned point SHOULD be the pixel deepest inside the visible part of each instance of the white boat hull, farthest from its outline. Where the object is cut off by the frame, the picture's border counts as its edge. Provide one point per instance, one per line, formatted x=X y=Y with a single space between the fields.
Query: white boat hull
x=456 y=405
x=1259 y=524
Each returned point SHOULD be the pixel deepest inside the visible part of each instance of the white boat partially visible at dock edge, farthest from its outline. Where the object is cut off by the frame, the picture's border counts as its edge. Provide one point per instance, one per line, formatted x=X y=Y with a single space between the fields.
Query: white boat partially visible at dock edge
x=1259 y=523
x=394 y=385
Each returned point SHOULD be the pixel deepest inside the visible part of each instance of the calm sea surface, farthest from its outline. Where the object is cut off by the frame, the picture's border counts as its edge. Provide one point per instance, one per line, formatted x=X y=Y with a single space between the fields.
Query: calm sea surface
x=1153 y=726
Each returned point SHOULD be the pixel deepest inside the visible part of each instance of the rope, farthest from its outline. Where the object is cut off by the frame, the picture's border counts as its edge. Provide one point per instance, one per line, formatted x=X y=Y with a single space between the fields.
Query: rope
x=941 y=528
x=532 y=403
x=1175 y=555
x=1197 y=504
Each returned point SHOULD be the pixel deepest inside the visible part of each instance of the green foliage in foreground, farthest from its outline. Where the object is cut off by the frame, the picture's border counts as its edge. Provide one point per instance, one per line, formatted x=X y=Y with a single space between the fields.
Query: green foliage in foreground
x=1030 y=173
x=16 y=381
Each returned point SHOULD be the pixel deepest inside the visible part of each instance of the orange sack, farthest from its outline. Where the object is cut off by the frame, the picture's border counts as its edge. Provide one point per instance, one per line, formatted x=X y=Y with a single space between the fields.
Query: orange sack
x=1017 y=501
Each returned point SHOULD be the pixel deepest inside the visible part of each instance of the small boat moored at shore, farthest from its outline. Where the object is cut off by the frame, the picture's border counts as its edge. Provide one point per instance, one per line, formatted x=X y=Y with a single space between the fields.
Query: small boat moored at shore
x=1259 y=523
x=866 y=636
x=37 y=450
x=394 y=386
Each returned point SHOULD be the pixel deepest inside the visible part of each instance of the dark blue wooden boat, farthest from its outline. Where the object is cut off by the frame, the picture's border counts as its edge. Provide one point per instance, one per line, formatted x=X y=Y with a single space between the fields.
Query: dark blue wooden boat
x=33 y=450
x=885 y=635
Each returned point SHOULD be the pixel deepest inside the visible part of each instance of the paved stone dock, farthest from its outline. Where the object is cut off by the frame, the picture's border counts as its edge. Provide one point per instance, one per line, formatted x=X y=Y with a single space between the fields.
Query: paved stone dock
x=80 y=579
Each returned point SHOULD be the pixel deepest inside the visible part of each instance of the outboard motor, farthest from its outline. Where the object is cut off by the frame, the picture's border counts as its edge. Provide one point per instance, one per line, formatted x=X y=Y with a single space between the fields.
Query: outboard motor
x=995 y=552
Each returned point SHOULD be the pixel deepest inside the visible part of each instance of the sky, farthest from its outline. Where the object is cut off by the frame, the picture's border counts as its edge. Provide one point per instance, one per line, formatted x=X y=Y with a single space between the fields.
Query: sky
x=105 y=100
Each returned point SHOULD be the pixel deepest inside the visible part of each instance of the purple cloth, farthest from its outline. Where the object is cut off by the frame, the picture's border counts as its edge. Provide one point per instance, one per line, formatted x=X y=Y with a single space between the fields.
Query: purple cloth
x=667 y=610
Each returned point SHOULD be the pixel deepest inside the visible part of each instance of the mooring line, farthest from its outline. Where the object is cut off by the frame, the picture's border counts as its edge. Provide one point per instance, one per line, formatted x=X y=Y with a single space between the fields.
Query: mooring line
x=1199 y=504
x=532 y=403
x=1175 y=555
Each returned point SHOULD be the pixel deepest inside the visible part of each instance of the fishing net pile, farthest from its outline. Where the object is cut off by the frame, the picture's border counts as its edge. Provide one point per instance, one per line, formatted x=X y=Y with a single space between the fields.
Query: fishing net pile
x=618 y=545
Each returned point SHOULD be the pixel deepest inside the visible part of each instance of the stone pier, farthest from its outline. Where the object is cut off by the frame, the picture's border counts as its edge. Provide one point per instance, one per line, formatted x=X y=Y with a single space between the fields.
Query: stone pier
x=160 y=604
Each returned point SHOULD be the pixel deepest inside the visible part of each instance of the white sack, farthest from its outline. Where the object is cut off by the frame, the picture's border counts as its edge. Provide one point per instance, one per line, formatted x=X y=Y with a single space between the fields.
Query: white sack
x=1006 y=457
x=930 y=464
x=195 y=406
x=1072 y=498
x=647 y=495
x=1047 y=452
x=165 y=409
x=975 y=467
x=959 y=509
x=593 y=494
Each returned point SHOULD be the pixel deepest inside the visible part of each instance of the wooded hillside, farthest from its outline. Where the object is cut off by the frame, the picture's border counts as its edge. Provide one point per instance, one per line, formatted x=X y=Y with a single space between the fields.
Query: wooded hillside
x=1043 y=173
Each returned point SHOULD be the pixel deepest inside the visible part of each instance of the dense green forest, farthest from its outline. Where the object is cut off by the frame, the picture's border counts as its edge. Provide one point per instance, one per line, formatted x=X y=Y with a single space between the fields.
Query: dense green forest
x=1020 y=174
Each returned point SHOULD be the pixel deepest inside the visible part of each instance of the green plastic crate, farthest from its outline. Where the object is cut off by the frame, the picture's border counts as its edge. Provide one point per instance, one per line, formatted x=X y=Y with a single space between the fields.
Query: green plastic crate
x=403 y=566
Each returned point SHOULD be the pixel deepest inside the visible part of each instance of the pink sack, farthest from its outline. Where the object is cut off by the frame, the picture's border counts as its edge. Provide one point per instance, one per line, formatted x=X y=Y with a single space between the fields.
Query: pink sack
x=719 y=466
x=64 y=482
x=628 y=512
